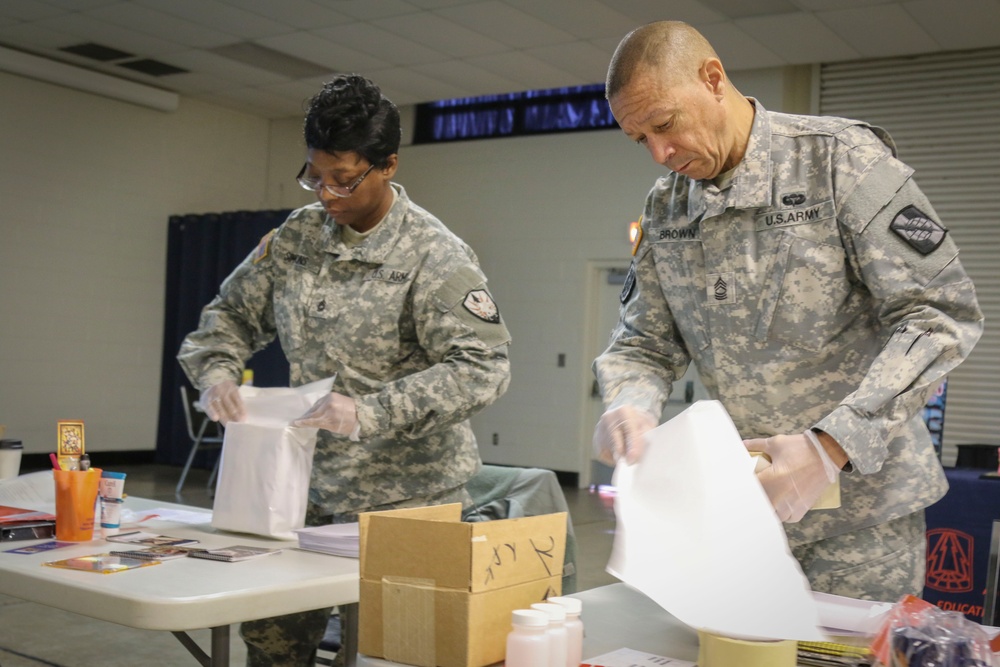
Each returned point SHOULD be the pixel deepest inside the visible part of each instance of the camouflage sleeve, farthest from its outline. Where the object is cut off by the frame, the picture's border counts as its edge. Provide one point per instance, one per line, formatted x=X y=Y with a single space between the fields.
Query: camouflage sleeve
x=926 y=312
x=646 y=353
x=460 y=328
x=236 y=323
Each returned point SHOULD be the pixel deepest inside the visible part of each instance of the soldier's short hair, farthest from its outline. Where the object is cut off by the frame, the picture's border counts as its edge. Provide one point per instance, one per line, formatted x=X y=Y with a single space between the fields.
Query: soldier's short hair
x=350 y=113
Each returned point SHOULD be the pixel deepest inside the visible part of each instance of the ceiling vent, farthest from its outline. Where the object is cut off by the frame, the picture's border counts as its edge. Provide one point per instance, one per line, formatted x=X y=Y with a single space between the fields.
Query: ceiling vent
x=273 y=61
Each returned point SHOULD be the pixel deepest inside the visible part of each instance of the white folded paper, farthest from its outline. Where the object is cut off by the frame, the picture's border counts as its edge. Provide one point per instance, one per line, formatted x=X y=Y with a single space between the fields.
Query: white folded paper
x=697 y=534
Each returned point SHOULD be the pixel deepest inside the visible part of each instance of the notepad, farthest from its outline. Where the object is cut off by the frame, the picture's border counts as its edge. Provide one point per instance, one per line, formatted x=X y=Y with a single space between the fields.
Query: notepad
x=338 y=539
x=234 y=553
x=151 y=539
x=157 y=553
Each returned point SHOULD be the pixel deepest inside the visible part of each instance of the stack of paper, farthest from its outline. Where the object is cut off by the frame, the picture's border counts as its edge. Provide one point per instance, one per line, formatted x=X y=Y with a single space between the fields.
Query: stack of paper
x=339 y=539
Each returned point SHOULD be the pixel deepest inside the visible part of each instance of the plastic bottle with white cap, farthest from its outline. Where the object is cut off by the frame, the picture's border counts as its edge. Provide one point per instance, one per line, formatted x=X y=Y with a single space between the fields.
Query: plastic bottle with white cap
x=556 y=632
x=528 y=641
x=574 y=629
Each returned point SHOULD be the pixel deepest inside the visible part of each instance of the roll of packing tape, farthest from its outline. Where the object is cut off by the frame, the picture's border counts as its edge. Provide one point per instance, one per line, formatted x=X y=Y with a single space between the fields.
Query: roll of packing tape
x=718 y=651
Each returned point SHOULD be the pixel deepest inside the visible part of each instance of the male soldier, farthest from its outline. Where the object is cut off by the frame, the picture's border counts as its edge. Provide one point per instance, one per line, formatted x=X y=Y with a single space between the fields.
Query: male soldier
x=796 y=263
x=369 y=286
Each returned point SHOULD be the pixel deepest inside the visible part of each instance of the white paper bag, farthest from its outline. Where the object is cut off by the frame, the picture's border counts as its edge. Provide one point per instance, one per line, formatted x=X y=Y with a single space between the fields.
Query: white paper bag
x=263 y=485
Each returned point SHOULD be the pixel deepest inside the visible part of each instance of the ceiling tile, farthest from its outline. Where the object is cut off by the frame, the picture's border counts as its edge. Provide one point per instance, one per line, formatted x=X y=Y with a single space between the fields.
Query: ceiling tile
x=879 y=32
x=205 y=62
x=798 y=38
x=366 y=10
x=466 y=76
x=301 y=14
x=28 y=10
x=86 y=28
x=589 y=19
x=958 y=24
x=831 y=5
x=415 y=84
x=505 y=24
x=740 y=8
x=436 y=4
x=219 y=16
x=646 y=11
x=151 y=22
x=532 y=73
x=382 y=44
x=311 y=47
x=441 y=34
x=582 y=59
x=80 y=5
x=35 y=37
x=737 y=49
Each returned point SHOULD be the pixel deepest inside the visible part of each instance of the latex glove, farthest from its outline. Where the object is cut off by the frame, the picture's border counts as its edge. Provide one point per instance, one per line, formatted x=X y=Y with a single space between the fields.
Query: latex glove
x=619 y=433
x=799 y=472
x=222 y=402
x=334 y=412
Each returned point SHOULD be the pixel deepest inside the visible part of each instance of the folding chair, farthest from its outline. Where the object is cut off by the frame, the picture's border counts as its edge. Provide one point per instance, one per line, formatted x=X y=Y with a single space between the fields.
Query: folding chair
x=196 y=427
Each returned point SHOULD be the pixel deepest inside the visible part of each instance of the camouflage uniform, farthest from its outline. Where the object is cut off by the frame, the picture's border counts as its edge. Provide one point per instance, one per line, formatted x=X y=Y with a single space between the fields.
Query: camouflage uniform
x=817 y=290
x=406 y=323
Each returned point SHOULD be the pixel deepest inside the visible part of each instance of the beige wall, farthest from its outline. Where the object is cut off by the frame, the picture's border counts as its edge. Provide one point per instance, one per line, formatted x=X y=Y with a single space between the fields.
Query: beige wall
x=87 y=185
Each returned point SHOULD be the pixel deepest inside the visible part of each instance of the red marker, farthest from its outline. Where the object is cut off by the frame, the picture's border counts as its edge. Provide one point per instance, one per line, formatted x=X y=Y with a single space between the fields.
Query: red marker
x=55 y=462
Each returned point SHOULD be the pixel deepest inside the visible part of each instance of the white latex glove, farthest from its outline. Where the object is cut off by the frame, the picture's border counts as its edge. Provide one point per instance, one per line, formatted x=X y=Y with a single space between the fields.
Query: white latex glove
x=222 y=402
x=334 y=412
x=619 y=433
x=799 y=472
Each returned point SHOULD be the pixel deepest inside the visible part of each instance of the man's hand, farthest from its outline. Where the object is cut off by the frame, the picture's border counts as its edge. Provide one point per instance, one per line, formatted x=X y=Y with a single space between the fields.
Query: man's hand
x=619 y=433
x=799 y=472
x=335 y=413
x=222 y=402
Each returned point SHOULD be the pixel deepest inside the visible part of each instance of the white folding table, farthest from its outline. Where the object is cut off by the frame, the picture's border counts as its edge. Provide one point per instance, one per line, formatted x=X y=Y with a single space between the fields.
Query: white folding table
x=189 y=593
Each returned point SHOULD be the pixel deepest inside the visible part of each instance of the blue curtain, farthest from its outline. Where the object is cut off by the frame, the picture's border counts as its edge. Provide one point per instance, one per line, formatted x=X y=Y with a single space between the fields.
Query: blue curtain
x=201 y=251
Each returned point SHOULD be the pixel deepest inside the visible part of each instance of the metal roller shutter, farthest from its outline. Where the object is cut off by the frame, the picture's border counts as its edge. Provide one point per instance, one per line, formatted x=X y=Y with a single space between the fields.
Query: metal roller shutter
x=943 y=110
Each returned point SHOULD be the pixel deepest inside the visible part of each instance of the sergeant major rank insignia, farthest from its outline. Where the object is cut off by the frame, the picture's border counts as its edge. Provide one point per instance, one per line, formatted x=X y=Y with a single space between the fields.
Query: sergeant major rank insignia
x=918 y=230
x=481 y=304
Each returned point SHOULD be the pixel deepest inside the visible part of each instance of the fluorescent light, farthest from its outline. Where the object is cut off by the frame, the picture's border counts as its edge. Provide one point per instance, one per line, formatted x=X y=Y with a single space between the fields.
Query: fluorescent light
x=51 y=71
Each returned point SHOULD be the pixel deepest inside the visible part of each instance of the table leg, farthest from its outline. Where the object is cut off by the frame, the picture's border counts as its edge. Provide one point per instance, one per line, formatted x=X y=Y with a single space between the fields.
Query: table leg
x=219 y=648
x=349 y=633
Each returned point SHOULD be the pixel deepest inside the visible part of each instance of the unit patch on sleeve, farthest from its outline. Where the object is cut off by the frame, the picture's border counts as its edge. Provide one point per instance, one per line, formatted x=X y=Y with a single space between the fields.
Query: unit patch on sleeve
x=918 y=230
x=264 y=247
x=629 y=284
x=481 y=304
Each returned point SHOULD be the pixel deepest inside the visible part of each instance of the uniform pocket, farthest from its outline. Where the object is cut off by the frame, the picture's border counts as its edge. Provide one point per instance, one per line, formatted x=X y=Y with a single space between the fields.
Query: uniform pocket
x=807 y=299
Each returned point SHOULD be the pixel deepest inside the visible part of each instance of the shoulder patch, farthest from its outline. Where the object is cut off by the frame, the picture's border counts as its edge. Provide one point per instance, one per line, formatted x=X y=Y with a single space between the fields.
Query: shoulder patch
x=481 y=304
x=264 y=247
x=918 y=229
x=629 y=284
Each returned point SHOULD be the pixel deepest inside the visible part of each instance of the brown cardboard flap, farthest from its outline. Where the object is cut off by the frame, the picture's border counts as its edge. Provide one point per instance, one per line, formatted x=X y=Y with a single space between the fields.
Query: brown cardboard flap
x=449 y=512
x=513 y=551
x=433 y=543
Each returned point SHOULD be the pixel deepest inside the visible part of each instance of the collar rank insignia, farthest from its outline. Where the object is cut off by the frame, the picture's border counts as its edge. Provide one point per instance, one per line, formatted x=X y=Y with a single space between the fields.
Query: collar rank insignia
x=917 y=228
x=264 y=247
x=481 y=304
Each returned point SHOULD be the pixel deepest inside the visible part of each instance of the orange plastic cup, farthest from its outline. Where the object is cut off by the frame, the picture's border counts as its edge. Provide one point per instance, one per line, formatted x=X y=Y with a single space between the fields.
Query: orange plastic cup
x=76 y=494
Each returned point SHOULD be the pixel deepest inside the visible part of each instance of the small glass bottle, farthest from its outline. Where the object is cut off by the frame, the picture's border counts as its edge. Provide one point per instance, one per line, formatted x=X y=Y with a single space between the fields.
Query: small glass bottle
x=528 y=641
x=556 y=632
x=574 y=629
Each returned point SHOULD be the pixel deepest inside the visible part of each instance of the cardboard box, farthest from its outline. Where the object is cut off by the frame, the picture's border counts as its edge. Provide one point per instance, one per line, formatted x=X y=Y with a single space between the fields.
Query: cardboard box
x=438 y=592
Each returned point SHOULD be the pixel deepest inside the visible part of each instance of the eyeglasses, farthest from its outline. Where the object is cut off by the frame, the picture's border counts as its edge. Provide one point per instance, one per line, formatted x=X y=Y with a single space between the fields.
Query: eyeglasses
x=316 y=184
